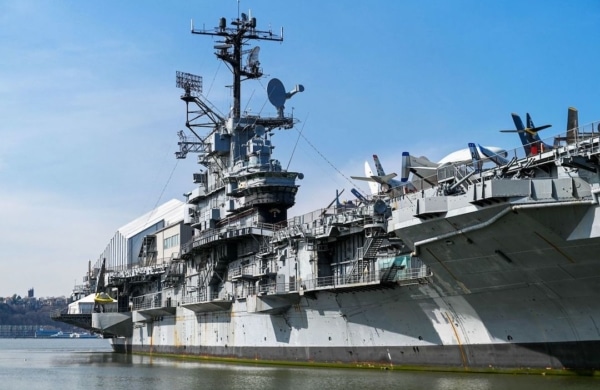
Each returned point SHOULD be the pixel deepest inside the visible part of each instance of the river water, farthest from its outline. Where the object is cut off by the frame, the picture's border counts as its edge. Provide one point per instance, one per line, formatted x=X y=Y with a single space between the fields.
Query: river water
x=66 y=364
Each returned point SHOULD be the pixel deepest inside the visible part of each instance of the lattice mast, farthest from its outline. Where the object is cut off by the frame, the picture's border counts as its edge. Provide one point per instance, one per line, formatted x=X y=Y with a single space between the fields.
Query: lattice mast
x=229 y=49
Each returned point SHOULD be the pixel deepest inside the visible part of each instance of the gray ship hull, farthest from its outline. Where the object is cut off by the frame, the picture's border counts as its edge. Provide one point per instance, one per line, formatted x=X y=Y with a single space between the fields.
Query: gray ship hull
x=510 y=328
x=538 y=306
x=506 y=357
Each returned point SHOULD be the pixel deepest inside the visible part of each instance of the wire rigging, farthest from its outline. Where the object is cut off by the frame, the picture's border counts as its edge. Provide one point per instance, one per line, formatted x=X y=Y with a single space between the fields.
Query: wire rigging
x=325 y=158
x=162 y=191
x=296 y=144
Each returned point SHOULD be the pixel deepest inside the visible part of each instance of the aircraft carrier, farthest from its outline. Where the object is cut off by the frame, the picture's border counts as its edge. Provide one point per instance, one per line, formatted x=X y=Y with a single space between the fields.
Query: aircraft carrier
x=485 y=264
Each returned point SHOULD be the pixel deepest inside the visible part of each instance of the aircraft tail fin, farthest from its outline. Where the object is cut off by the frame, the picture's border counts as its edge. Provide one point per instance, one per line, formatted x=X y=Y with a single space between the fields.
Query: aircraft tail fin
x=373 y=186
x=424 y=169
x=378 y=166
x=521 y=132
x=380 y=182
x=405 y=167
x=534 y=137
x=529 y=136
x=532 y=129
x=477 y=163
x=572 y=125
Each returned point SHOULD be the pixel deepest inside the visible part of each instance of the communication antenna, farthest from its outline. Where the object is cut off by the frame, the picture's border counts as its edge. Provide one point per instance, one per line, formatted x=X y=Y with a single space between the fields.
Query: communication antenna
x=276 y=93
x=229 y=49
x=252 y=62
x=278 y=96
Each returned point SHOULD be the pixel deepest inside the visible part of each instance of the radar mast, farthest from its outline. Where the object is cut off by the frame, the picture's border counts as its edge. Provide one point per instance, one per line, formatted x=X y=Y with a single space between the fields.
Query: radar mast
x=229 y=49
x=241 y=177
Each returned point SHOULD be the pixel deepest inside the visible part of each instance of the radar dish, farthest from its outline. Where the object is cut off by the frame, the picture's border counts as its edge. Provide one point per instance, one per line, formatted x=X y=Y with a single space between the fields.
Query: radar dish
x=253 y=57
x=276 y=92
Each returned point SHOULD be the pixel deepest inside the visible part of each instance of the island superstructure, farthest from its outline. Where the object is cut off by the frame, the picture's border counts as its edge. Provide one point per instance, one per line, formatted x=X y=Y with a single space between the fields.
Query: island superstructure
x=486 y=264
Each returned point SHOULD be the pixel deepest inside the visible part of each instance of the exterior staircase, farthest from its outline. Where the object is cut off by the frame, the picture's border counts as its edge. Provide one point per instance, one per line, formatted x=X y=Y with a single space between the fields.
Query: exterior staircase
x=371 y=248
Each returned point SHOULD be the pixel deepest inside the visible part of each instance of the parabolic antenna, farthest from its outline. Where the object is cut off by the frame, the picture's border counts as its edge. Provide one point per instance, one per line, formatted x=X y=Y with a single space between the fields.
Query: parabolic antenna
x=253 y=57
x=276 y=92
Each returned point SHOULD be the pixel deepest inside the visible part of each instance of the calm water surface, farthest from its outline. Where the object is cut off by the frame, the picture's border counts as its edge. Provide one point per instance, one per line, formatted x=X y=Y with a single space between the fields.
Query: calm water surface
x=65 y=364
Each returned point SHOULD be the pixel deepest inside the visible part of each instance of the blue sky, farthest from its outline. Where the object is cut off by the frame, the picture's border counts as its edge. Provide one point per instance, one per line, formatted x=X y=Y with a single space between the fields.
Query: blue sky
x=90 y=111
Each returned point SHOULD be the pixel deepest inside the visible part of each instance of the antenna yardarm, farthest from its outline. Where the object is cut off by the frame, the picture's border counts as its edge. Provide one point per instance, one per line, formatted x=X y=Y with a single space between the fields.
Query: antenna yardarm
x=229 y=49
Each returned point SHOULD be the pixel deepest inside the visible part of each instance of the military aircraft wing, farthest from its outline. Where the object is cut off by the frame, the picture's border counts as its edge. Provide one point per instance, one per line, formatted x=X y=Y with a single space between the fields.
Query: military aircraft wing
x=377 y=179
x=373 y=183
x=382 y=182
x=498 y=158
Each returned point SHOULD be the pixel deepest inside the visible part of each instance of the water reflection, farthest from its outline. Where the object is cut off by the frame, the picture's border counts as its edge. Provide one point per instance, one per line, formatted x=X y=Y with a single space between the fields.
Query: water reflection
x=465 y=383
x=72 y=364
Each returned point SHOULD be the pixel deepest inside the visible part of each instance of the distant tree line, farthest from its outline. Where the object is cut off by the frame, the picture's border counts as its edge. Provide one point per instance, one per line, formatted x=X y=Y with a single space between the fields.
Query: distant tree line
x=31 y=312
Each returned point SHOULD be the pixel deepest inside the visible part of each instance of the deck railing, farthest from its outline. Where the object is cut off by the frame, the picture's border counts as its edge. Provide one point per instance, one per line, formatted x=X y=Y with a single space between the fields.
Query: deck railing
x=153 y=301
x=200 y=298
x=403 y=276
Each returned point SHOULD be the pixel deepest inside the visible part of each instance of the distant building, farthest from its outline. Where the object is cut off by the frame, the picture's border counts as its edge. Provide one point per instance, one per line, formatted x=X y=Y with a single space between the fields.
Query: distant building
x=30 y=293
